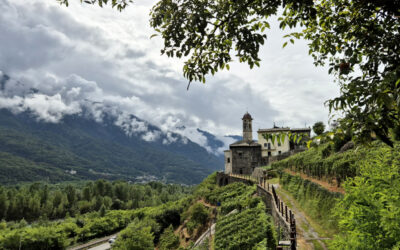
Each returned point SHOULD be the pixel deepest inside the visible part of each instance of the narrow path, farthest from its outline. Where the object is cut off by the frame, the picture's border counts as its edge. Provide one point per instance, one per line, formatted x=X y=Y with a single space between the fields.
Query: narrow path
x=306 y=234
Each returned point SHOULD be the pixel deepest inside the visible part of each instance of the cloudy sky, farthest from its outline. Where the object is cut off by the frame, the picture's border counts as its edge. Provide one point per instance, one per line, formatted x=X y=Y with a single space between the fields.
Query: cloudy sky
x=86 y=56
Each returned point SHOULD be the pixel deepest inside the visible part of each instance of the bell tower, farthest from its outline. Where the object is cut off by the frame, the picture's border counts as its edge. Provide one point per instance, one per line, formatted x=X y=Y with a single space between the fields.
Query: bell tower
x=247 y=127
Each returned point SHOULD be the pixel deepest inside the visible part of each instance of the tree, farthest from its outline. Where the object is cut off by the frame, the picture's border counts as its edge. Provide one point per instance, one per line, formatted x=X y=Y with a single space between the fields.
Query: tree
x=102 y=210
x=3 y=204
x=135 y=236
x=358 y=38
x=318 y=128
x=199 y=214
x=168 y=239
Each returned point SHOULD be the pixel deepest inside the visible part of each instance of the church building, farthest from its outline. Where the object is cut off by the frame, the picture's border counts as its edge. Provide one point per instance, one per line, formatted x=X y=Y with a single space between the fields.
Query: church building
x=245 y=155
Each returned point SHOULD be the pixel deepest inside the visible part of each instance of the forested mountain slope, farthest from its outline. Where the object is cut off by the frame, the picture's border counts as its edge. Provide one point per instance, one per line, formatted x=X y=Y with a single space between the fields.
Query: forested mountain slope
x=31 y=150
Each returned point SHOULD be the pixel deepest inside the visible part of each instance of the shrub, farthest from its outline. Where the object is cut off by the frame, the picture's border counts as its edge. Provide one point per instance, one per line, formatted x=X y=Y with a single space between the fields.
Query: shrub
x=369 y=213
x=199 y=214
x=326 y=151
x=136 y=236
x=168 y=239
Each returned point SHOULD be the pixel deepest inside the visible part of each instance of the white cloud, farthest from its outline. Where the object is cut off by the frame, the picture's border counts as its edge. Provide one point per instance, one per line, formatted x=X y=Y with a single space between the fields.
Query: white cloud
x=102 y=61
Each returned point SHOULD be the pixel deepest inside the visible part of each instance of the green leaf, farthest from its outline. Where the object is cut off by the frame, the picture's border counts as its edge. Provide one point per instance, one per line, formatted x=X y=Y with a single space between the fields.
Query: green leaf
x=284 y=45
x=283 y=135
x=299 y=139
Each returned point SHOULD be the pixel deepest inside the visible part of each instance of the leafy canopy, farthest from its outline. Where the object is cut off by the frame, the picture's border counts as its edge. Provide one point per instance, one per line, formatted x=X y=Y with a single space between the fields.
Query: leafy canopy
x=358 y=38
x=318 y=128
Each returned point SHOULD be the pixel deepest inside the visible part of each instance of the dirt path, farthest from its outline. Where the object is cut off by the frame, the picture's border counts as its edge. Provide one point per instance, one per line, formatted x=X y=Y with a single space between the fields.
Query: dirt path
x=326 y=185
x=306 y=234
x=206 y=204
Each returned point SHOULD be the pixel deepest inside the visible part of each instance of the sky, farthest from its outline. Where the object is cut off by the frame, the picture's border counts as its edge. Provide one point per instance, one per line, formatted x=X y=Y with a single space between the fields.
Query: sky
x=63 y=60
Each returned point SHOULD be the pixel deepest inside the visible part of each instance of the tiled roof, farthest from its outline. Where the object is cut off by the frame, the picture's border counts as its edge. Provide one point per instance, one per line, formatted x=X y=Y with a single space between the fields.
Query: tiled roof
x=247 y=116
x=282 y=130
x=243 y=143
x=273 y=129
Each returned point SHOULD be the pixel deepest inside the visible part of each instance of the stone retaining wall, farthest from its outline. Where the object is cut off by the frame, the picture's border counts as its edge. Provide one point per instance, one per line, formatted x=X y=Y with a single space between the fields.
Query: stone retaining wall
x=282 y=215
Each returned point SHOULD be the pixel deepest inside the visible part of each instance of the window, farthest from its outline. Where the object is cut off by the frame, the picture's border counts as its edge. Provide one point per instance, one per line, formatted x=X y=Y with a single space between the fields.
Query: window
x=269 y=145
x=279 y=152
x=228 y=160
x=240 y=171
x=269 y=153
x=240 y=155
x=265 y=145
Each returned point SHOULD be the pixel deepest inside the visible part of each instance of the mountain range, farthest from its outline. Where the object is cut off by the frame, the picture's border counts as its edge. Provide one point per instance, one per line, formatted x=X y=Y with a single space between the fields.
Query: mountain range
x=79 y=148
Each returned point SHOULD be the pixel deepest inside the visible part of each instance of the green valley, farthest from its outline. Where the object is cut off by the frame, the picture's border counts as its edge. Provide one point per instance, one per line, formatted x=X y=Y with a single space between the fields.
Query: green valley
x=79 y=148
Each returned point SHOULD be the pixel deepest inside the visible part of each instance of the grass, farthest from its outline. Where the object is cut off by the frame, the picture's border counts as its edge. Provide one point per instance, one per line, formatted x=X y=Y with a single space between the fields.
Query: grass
x=317 y=245
x=305 y=226
x=317 y=227
x=273 y=181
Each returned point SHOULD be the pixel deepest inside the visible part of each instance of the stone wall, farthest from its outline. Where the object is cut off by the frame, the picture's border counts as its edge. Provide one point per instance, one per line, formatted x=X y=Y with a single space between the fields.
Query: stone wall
x=225 y=179
x=245 y=159
x=259 y=173
x=228 y=161
x=279 y=219
x=281 y=214
x=284 y=155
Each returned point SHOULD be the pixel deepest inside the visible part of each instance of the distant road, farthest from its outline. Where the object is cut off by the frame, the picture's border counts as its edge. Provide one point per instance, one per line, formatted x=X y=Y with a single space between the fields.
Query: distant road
x=104 y=246
x=103 y=241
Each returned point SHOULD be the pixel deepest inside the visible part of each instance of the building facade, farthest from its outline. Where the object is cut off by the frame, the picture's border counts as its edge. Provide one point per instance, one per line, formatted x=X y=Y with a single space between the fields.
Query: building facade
x=245 y=155
x=275 y=148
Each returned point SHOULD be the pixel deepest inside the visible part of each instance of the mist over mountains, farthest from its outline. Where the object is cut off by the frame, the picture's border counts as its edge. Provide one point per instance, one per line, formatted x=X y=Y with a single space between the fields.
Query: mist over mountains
x=63 y=135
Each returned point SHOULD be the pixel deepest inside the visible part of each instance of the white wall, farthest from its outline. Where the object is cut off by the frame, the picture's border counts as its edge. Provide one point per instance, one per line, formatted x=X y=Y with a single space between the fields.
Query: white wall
x=275 y=147
x=228 y=165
